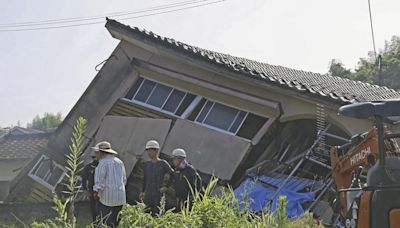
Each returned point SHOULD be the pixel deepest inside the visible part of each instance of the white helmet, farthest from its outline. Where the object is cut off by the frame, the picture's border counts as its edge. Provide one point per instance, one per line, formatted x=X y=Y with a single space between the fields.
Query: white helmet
x=152 y=144
x=179 y=153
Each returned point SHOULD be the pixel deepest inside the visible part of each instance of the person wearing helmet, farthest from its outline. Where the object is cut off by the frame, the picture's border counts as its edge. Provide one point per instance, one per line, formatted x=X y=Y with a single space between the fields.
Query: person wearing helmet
x=185 y=179
x=156 y=176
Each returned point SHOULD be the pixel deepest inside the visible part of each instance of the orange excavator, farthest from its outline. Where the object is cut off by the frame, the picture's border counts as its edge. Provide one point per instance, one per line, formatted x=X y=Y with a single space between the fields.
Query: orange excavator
x=376 y=153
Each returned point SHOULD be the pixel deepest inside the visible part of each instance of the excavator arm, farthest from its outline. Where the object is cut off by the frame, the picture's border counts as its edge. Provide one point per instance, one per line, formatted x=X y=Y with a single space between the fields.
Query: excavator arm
x=377 y=203
x=363 y=152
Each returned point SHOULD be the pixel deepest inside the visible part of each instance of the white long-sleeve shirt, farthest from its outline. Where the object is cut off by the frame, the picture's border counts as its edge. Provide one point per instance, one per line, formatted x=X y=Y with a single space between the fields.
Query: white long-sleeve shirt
x=110 y=181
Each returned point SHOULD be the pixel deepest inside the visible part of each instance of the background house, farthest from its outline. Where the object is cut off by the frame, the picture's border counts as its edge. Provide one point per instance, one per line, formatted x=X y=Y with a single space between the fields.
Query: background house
x=17 y=148
x=229 y=113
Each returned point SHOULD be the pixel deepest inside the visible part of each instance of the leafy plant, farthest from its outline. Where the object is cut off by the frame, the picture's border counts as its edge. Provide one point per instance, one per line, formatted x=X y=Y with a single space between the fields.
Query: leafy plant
x=212 y=211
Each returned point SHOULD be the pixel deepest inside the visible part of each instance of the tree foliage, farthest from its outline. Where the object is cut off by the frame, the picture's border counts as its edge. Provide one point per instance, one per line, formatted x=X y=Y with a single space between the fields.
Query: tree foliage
x=367 y=68
x=49 y=121
x=2 y=131
x=337 y=68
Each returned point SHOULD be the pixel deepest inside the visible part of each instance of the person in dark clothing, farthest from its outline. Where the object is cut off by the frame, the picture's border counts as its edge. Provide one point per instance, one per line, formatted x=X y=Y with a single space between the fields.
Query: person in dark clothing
x=185 y=179
x=87 y=185
x=156 y=177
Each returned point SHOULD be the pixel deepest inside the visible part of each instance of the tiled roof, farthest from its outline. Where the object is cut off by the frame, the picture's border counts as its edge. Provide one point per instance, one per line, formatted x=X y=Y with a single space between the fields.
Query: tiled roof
x=331 y=88
x=23 y=131
x=22 y=146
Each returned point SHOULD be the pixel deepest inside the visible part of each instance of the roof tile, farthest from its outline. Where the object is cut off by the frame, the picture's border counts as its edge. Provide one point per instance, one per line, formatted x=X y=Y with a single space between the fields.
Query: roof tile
x=22 y=146
x=325 y=86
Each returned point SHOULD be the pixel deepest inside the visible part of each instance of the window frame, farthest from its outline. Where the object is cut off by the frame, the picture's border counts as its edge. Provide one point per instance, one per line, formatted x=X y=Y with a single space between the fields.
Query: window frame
x=190 y=108
x=216 y=128
x=144 y=104
x=43 y=181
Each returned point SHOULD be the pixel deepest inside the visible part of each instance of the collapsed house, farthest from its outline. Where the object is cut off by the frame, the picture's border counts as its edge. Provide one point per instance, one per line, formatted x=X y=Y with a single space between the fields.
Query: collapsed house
x=236 y=118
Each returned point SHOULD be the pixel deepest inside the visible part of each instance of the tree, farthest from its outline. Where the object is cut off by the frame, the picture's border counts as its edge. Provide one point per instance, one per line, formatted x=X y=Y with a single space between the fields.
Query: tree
x=336 y=68
x=368 y=70
x=2 y=131
x=48 y=122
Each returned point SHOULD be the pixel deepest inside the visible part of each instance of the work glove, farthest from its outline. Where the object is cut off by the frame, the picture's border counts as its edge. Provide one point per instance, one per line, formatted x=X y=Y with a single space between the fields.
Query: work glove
x=141 y=197
x=96 y=196
x=163 y=190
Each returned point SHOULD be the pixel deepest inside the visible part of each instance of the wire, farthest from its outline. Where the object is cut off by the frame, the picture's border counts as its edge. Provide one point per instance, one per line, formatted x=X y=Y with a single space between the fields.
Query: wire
x=101 y=22
x=101 y=16
x=169 y=11
x=378 y=58
x=372 y=27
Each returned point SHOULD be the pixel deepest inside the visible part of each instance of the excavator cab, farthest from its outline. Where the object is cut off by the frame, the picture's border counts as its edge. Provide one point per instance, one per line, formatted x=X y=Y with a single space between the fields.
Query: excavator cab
x=378 y=203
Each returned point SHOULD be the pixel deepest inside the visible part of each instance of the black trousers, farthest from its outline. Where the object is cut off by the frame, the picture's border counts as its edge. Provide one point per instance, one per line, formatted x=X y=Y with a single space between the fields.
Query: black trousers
x=152 y=201
x=109 y=215
x=94 y=207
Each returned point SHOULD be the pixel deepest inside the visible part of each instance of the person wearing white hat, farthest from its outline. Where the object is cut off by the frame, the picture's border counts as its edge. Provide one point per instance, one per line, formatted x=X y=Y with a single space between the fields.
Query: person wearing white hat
x=156 y=175
x=185 y=179
x=109 y=183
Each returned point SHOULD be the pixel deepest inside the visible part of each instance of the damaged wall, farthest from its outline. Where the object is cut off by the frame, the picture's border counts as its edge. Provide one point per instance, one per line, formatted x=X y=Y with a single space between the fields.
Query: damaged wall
x=210 y=151
x=246 y=94
x=296 y=137
x=128 y=136
x=111 y=83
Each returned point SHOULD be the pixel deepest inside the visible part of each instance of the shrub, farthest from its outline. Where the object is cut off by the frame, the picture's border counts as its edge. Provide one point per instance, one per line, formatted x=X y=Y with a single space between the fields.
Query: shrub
x=211 y=211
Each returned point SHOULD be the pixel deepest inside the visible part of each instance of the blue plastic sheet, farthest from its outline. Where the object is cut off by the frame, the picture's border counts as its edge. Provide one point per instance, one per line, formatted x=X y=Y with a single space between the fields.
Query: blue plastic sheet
x=258 y=194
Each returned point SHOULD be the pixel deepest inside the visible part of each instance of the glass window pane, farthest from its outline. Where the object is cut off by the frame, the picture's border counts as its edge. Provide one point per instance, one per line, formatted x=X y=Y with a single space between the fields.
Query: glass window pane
x=159 y=96
x=34 y=170
x=238 y=122
x=204 y=112
x=145 y=91
x=196 y=110
x=44 y=166
x=134 y=88
x=173 y=101
x=221 y=116
x=185 y=104
x=251 y=126
x=55 y=176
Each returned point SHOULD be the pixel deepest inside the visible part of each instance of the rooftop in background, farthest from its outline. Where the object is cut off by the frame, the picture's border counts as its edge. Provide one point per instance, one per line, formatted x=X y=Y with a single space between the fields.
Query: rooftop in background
x=23 y=131
x=22 y=143
x=323 y=86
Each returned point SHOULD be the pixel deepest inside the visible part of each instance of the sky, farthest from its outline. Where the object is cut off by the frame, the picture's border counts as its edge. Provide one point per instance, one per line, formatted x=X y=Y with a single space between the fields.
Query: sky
x=48 y=70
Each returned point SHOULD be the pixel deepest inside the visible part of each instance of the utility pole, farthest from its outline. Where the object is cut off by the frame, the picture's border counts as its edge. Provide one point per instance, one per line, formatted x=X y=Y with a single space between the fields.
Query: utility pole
x=379 y=72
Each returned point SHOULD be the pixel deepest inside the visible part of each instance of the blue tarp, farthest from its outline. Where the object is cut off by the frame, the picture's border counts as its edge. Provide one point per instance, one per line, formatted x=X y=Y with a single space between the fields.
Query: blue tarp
x=259 y=194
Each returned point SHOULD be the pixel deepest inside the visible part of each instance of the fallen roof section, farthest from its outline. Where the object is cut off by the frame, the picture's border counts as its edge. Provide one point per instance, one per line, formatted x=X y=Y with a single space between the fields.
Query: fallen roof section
x=323 y=86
